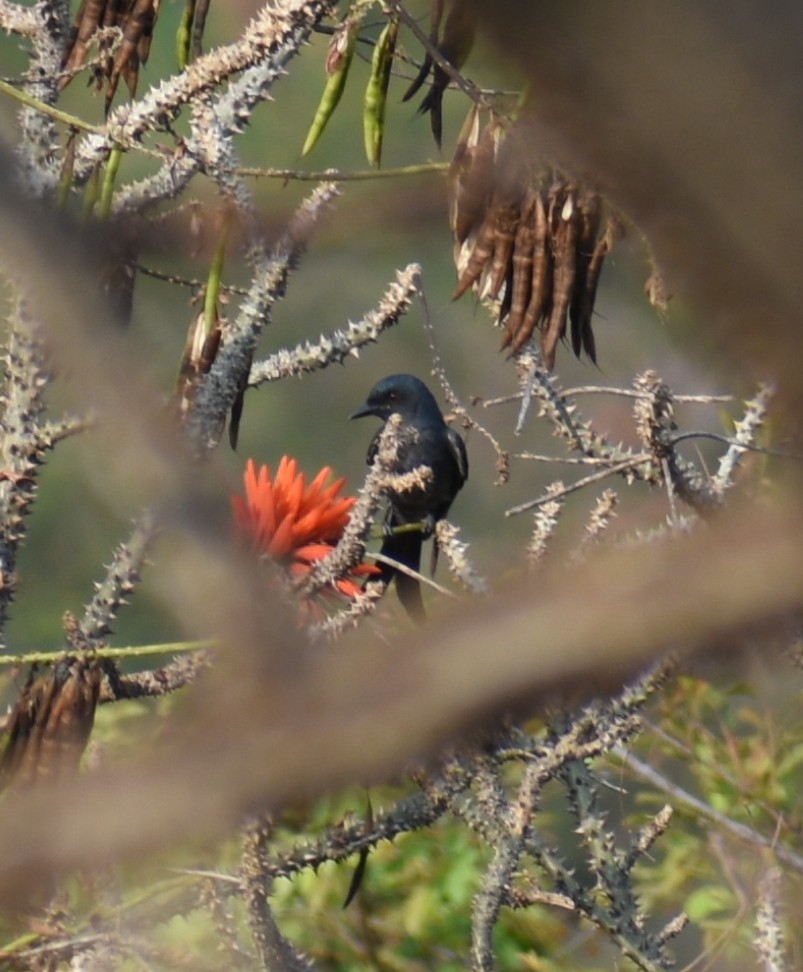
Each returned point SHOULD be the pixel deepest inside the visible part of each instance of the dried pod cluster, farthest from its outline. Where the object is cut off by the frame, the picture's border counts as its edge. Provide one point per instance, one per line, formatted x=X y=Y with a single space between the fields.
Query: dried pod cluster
x=534 y=245
x=135 y=19
x=49 y=726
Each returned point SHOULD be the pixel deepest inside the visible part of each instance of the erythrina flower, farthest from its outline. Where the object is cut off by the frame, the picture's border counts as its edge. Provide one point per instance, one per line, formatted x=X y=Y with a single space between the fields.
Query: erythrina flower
x=293 y=523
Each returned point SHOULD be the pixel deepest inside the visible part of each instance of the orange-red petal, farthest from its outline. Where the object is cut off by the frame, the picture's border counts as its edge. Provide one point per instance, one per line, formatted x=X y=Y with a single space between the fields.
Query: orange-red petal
x=311 y=552
x=294 y=522
x=281 y=543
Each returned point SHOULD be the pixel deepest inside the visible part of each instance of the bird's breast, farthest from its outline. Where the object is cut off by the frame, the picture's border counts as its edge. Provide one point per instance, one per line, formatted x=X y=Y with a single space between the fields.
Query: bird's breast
x=432 y=492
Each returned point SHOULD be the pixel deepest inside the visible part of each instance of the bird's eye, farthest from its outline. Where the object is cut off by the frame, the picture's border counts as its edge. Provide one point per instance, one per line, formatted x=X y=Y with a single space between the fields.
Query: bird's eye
x=392 y=396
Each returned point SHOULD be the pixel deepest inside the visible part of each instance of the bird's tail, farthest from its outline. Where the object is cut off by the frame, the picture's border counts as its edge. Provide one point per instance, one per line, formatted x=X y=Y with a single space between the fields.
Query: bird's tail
x=406 y=549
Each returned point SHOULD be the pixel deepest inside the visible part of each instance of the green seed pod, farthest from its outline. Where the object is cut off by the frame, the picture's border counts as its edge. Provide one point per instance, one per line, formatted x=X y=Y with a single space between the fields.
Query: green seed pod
x=376 y=93
x=338 y=62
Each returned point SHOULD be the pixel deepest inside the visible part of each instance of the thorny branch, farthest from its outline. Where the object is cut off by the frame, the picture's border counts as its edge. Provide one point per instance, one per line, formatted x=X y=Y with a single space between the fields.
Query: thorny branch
x=334 y=348
x=268 y=42
x=351 y=547
x=38 y=146
x=769 y=940
x=494 y=784
x=26 y=439
x=274 y=950
x=469 y=783
x=229 y=373
x=121 y=578
x=659 y=463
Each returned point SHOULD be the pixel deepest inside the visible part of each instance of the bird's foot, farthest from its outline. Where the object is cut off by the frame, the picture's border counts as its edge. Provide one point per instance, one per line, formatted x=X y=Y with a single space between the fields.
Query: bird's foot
x=428 y=525
x=425 y=527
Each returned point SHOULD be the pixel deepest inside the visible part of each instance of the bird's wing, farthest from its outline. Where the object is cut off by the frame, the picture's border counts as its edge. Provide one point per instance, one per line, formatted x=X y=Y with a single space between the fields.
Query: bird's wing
x=458 y=448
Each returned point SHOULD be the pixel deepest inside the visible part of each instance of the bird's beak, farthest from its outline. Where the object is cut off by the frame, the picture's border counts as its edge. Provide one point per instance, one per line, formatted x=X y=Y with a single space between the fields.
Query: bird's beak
x=362 y=411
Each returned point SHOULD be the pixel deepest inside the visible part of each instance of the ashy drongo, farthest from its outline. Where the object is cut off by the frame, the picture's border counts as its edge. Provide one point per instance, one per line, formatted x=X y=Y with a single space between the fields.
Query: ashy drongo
x=424 y=440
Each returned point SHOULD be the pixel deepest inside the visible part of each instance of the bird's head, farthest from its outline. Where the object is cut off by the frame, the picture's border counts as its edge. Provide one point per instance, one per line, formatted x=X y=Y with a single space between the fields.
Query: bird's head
x=403 y=394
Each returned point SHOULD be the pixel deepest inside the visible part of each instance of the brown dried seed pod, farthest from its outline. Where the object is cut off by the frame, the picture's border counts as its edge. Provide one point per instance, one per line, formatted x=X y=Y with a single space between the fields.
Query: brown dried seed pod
x=613 y=231
x=129 y=72
x=113 y=13
x=521 y=280
x=464 y=153
x=70 y=718
x=481 y=254
x=541 y=288
x=454 y=45
x=580 y=310
x=200 y=350
x=146 y=34
x=656 y=292
x=556 y=200
x=512 y=177
x=507 y=294
x=23 y=734
x=87 y=20
x=198 y=27
x=506 y=223
x=590 y=215
x=137 y=26
x=471 y=178
x=586 y=299
x=564 y=254
x=117 y=272
x=49 y=726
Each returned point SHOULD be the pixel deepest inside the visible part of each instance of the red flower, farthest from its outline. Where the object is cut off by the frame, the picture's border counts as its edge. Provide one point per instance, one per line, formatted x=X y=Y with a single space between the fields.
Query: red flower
x=293 y=523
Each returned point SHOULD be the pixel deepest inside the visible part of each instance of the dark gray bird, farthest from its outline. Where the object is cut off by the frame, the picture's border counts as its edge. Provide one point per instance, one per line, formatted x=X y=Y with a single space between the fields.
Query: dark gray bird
x=425 y=440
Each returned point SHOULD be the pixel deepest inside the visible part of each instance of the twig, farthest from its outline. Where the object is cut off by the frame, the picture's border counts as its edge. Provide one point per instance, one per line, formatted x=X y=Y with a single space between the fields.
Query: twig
x=746 y=430
x=599 y=521
x=736 y=446
x=343 y=175
x=580 y=484
x=72 y=121
x=611 y=390
x=154 y=683
x=404 y=569
x=135 y=651
x=351 y=547
x=545 y=523
x=447 y=537
x=22 y=444
x=705 y=810
x=439 y=370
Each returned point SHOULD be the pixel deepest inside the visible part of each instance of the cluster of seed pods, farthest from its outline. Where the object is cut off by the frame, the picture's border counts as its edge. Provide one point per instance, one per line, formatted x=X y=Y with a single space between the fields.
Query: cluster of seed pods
x=533 y=242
